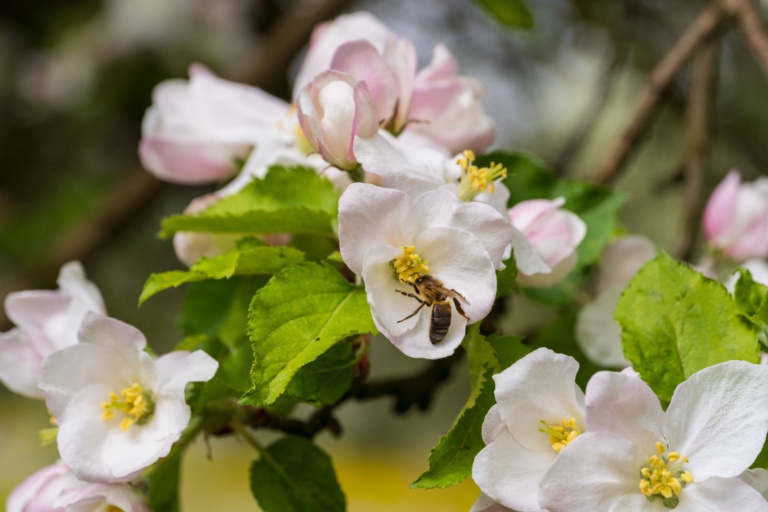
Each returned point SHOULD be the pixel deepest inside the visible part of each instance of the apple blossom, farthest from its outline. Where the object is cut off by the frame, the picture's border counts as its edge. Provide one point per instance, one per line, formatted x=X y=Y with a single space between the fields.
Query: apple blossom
x=333 y=109
x=736 y=218
x=46 y=321
x=597 y=333
x=56 y=489
x=419 y=170
x=117 y=409
x=392 y=240
x=635 y=456
x=447 y=110
x=554 y=235
x=196 y=131
x=486 y=504
x=539 y=412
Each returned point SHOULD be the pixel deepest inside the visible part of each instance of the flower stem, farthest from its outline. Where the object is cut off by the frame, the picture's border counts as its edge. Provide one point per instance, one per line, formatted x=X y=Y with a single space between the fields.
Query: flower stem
x=248 y=438
x=357 y=174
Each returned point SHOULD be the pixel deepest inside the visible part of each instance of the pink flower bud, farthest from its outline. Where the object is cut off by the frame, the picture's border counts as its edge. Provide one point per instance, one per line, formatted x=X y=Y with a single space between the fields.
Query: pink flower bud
x=736 y=218
x=196 y=130
x=191 y=246
x=554 y=234
x=333 y=109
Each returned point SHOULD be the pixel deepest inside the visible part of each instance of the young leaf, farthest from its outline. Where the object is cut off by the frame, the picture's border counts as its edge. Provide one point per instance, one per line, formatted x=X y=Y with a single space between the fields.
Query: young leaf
x=294 y=475
x=450 y=461
x=301 y=313
x=327 y=378
x=508 y=349
x=752 y=301
x=243 y=260
x=676 y=322
x=286 y=200
x=505 y=279
x=512 y=13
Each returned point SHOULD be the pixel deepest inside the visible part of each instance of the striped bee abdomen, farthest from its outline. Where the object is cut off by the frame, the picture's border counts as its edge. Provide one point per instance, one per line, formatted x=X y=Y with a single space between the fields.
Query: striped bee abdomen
x=441 y=321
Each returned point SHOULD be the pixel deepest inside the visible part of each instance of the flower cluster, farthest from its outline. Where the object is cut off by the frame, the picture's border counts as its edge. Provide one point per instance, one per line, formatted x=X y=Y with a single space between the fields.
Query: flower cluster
x=119 y=412
x=552 y=447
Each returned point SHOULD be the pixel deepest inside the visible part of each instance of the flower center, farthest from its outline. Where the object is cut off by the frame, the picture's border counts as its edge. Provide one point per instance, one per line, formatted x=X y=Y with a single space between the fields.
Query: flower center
x=410 y=265
x=475 y=180
x=112 y=508
x=561 y=436
x=136 y=404
x=292 y=132
x=664 y=477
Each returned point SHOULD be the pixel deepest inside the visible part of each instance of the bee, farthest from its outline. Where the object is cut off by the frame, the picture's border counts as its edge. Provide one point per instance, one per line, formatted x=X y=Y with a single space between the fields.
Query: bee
x=431 y=292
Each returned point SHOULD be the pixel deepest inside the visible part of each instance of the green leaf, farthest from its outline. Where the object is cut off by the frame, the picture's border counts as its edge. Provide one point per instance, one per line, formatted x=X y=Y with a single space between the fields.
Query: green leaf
x=163 y=494
x=301 y=313
x=294 y=475
x=286 y=200
x=512 y=13
x=244 y=260
x=327 y=378
x=450 y=461
x=751 y=299
x=506 y=279
x=676 y=322
x=528 y=178
x=508 y=349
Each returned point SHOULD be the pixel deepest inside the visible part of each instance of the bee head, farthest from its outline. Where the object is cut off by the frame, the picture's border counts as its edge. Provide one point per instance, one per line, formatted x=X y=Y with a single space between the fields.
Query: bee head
x=420 y=279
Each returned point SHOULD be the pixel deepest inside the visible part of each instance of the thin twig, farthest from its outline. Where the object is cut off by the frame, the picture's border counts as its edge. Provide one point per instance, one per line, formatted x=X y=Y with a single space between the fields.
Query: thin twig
x=702 y=27
x=749 y=21
x=698 y=127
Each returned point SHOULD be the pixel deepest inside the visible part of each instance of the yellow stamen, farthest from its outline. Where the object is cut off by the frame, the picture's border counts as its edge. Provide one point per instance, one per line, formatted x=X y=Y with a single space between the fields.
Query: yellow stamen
x=112 y=508
x=664 y=477
x=47 y=436
x=410 y=265
x=136 y=404
x=561 y=436
x=475 y=180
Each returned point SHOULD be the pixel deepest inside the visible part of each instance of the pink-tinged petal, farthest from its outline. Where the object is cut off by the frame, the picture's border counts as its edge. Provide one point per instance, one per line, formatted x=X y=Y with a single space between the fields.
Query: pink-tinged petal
x=757 y=479
x=598 y=333
x=400 y=55
x=557 y=274
x=442 y=67
x=557 y=238
x=721 y=207
x=73 y=283
x=718 y=418
x=108 y=332
x=528 y=261
x=623 y=405
x=460 y=262
x=328 y=37
x=370 y=215
x=595 y=472
x=122 y=496
x=32 y=310
x=20 y=364
x=190 y=161
x=510 y=473
x=525 y=214
x=539 y=386
x=622 y=259
x=191 y=246
x=750 y=230
x=721 y=494
x=486 y=504
x=37 y=492
x=361 y=60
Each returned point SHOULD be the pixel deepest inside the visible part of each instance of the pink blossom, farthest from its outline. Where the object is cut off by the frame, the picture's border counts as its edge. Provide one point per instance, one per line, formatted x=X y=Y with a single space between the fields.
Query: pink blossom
x=553 y=234
x=736 y=218
x=333 y=109
x=56 y=489
x=191 y=246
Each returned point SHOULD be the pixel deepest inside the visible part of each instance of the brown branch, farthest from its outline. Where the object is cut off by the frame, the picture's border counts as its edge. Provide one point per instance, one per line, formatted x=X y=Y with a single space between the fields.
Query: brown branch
x=749 y=21
x=698 y=127
x=703 y=26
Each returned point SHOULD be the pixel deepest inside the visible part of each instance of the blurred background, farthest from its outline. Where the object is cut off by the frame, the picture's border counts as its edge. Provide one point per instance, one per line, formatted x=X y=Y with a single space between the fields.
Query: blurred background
x=77 y=76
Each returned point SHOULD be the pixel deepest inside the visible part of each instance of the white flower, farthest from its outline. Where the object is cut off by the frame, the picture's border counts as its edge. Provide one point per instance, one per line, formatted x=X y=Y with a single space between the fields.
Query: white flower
x=486 y=504
x=46 y=321
x=418 y=170
x=118 y=410
x=55 y=488
x=460 y=245
x=597 y=333
x=553 y=234
x=711 y=432
x=539 y=412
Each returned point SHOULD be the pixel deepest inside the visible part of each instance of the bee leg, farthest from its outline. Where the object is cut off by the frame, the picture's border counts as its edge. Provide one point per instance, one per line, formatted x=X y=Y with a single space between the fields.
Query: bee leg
x=460 y=296
x=458 y=307
x=410 y=295
x=414 y=313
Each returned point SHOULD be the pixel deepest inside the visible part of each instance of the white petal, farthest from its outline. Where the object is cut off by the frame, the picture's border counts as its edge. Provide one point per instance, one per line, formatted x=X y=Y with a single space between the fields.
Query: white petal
x=623 y=405
x=539 y=386
x=718 y=418
x=486 y=504
x=510 y=473
x=72 y=282
x=757 y=479
x=102 y=330
x=528 y=261
x=370 y=215
x=721 y=494
x=20 y=364
x=597 y=332
x=33 y=311
x=595 y=472
x=176 y=369
x=622 y=259
x=492 y=424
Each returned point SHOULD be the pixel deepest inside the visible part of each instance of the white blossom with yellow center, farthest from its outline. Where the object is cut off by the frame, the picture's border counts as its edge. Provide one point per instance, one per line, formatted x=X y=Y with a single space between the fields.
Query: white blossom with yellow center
x=689 y=458
x=538 y=414
x=118 y=410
